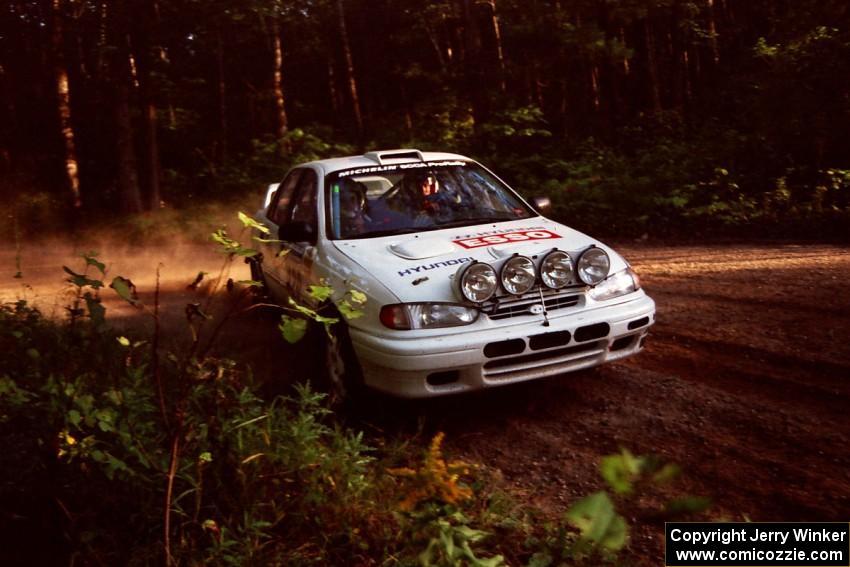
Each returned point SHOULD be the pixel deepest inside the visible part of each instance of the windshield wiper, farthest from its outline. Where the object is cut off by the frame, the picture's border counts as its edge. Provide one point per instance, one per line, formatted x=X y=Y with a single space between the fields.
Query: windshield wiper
x=475 y=220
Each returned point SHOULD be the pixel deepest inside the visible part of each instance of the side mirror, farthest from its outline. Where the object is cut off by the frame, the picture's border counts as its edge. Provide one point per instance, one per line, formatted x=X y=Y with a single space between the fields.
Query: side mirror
x=542 y=205
x=297 y=231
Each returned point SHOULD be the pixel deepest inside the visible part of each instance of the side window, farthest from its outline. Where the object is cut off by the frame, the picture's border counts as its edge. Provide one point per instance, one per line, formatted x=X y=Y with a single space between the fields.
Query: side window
x=304 y=209
x=279 y=207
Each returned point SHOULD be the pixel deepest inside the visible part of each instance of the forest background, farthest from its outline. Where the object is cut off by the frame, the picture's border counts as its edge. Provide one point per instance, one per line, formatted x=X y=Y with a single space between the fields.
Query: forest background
x=672 y=120
x=660 y=118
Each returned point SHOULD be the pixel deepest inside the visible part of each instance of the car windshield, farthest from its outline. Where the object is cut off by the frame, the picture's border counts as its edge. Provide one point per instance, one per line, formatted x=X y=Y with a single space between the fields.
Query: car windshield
x=368 y=202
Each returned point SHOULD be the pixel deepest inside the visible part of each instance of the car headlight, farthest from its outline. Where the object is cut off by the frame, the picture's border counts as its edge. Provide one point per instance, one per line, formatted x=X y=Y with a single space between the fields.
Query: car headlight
x=593 y=265
x=556 y=269
x=621 y=283
x=518 y=275
x=477 y=282
x=407 y=316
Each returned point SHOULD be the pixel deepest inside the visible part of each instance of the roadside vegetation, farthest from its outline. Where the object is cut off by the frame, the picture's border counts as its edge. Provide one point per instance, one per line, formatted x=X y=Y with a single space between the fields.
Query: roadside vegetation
x=128 y=452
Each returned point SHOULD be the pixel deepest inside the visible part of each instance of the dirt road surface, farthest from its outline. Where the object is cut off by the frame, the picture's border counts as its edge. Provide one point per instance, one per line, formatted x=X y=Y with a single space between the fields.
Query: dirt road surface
x=745 y=383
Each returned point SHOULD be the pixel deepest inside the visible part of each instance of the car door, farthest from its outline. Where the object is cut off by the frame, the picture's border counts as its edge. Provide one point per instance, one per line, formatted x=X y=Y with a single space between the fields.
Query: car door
x=288 y=264
x=274 y=253
x=298 y=261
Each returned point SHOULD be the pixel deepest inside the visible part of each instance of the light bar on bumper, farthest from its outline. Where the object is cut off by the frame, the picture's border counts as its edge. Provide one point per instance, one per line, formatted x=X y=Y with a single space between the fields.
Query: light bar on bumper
x=407 y=316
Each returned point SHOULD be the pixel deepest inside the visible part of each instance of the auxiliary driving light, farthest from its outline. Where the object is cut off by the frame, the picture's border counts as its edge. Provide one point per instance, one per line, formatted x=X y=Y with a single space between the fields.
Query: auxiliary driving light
x=556 y=269
x=518 y=275
x=593 y=265
x=478 y=282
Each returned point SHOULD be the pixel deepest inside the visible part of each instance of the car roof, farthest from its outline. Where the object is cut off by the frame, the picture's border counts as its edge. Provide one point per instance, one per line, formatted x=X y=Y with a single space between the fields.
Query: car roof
x=382 y=157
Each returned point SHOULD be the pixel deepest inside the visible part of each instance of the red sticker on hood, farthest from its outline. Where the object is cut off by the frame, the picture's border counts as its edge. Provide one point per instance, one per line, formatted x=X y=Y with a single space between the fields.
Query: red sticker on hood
x=506 y=238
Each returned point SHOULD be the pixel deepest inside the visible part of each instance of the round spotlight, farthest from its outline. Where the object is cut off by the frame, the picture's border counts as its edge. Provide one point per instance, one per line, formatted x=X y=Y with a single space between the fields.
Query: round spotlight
x=593 y=265
x=556 y=270
x=478 y=282
x=518 y=275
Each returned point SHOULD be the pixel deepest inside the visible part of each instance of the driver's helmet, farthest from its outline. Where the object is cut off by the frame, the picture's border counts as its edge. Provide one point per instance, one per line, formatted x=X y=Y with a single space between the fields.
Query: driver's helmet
x=353 y=199
x=429 y=185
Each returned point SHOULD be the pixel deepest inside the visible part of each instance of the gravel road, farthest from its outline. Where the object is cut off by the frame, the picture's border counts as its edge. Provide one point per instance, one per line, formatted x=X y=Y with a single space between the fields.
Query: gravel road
x=745 y=383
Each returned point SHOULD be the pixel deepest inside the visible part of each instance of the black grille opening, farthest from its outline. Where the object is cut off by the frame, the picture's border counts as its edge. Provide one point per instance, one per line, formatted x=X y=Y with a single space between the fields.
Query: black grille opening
x=540 y=355
x=443 y=378
x=637 y=323
x=515 y=307
x=504 y=348
x=560 y=302
x=622 y=342
x=590 y=332
x=549 y=340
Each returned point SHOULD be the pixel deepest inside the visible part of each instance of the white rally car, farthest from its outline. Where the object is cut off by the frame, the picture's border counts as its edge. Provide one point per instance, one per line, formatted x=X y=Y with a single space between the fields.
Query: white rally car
x=467 y=285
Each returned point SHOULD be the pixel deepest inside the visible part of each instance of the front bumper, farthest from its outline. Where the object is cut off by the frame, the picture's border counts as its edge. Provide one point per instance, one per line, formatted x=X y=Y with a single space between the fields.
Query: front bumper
x=522 y=350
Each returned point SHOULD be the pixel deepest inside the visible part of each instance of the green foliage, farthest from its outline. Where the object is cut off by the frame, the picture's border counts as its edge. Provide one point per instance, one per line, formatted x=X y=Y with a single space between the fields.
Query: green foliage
x=246 y=466
x=126 y=290
x=293 y=328
x=181 y=447
x=600 y=527
x=229 y=246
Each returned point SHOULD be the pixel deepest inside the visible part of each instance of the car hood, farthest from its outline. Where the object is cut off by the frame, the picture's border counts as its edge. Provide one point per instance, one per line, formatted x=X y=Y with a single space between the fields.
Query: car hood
x=422 y=267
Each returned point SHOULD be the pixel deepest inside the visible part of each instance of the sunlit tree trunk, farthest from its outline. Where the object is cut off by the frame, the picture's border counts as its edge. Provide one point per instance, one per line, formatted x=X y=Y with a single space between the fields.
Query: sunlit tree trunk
x=63 y=99
x=493 y=23
x=349 y=71
x=277 y=82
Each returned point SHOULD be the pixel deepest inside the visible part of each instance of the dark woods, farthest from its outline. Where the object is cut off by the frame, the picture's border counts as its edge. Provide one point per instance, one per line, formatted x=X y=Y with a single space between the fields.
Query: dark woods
x=635 y=116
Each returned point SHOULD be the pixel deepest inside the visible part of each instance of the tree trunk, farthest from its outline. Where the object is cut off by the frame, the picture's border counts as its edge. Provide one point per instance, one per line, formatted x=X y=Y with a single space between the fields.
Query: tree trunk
x=7 y=123
x=677 y=40
x=144 y=45
x=435 y=44
x=712 y=33
x=349 y=72
x=474 y=67
x=153 y=197
x=333 y=94
x=63 y=99
x=277 y=82
x=222 y=97
x=128 y=177
x=149 y=90
x=651 y=67
x=493 y=23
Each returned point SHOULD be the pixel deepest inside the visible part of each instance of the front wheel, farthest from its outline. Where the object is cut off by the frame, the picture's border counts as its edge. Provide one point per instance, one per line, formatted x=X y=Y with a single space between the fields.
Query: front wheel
x=342 y=377
x=259 y=293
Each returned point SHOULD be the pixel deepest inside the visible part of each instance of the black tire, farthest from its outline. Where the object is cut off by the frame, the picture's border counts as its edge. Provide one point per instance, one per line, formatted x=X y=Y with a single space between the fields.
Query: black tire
x=259 y=294
x=342 y=378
